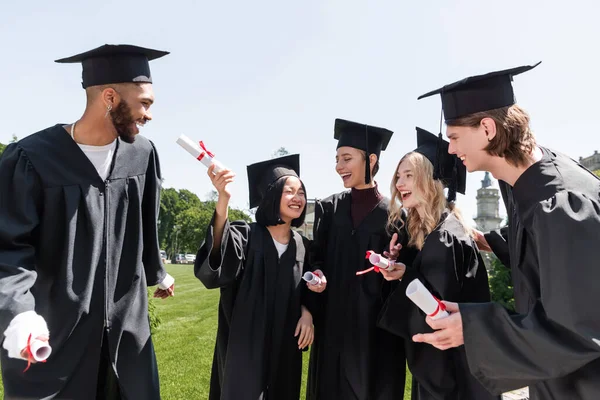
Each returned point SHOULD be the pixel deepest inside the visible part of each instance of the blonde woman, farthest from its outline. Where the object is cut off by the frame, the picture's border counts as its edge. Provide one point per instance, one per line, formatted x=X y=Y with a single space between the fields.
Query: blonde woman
x=448 y=264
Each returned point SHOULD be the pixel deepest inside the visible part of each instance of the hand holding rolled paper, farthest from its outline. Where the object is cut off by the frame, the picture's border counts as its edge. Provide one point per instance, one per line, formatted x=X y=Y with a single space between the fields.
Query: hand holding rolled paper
x=38 y=350
x=315 y=280
x=423 y=298
x=199 y=152
x=379 y=263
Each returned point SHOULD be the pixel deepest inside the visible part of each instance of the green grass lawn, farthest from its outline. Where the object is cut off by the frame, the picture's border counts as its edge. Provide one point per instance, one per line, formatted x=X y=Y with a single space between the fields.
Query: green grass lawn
x=185 y=340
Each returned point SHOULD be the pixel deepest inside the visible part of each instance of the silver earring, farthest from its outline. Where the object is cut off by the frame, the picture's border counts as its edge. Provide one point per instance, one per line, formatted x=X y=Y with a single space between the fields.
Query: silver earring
x=108 y=108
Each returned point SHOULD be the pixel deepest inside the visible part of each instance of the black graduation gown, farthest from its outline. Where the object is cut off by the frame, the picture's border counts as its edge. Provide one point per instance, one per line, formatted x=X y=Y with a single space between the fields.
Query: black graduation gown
x=256 y=354
x=448 y=254
x=552 y=343
x=351 y=358
x=80 y=252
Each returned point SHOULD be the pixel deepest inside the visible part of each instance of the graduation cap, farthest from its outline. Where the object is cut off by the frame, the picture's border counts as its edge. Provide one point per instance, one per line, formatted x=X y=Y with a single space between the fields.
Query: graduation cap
x=478 y=93
x=370 y=139
x=263 y=174
x=446 y=167
x=115 y=64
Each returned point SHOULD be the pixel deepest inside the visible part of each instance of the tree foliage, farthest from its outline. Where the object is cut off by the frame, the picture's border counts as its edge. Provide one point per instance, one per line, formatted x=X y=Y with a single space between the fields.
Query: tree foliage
x=501 y=286
x=184 y=219
x=3 y=146
x=280 y=152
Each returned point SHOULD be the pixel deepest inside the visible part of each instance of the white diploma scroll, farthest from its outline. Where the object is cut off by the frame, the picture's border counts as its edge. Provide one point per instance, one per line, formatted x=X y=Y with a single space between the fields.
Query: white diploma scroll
x=380 y=261
x=425 y=300
x=311 y=278
x=40 y=350
x=200 y=154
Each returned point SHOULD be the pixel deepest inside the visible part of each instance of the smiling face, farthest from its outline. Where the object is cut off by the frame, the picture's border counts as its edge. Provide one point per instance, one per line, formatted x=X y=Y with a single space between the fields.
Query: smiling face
x=132 y=109
x=405 y=184
x=350 y=165
x=469 y=144
x=293 y=200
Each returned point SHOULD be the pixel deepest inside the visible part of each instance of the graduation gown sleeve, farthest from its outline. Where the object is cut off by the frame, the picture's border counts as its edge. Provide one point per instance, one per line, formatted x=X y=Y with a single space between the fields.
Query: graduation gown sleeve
x=234 y=243
x=318 y=246
x=153 y=266
x=561 y=332
x=498 y=243
x=20 y=204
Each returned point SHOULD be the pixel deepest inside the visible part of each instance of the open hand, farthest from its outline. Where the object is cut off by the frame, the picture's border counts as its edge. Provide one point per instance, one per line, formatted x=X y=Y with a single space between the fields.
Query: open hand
x=394 y=249
x=305 y=329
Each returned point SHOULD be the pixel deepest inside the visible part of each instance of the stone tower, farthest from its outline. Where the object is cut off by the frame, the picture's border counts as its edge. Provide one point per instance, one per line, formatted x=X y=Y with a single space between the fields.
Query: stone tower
x=488 y=206
x=488 y=212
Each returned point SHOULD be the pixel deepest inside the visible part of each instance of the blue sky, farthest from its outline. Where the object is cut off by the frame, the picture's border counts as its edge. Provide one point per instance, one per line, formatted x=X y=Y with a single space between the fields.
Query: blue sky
x=250 y=77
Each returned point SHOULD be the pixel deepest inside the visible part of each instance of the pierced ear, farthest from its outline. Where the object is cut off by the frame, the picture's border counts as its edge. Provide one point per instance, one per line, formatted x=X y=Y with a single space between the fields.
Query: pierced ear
x=110 y=97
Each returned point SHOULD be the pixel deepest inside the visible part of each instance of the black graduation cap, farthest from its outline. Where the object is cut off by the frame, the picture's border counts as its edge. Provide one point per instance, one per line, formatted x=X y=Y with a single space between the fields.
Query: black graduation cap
x=263 y=174
x=446 y=167
x=110 y=63
x=478 y=93
x=370 y=139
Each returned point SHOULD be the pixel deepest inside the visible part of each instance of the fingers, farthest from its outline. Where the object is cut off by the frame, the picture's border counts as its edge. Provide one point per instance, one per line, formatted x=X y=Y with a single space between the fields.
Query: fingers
x=298 y=326
x=451 y=307
x=306 y=336
x=161 y=294
x=394 y=240
x=171 y=290
x=435 y=339
x=302 y=337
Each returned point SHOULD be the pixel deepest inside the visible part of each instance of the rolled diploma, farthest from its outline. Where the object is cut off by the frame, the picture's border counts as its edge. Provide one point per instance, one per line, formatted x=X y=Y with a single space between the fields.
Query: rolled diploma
x=380 y=262
x=311 y=278
x=198 y=153
x=424 y=299
x=40 y=350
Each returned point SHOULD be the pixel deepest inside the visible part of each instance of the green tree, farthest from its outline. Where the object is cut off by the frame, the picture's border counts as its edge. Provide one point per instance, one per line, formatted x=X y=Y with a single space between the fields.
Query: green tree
x=194 y=221
x=501 y=286
x=184 y=219
x=280 y=152
x=3 y=146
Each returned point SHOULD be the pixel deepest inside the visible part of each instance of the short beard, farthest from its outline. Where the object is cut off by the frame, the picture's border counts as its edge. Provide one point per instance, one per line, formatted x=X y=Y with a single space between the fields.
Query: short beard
x=123 y=121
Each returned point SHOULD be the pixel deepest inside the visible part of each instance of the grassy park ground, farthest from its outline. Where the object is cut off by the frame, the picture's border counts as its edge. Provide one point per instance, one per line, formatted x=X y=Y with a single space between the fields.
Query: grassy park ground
x=184 y=341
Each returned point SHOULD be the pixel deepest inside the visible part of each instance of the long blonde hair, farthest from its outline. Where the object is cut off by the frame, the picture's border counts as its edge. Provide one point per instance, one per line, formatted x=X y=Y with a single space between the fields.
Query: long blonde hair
x=429 y=193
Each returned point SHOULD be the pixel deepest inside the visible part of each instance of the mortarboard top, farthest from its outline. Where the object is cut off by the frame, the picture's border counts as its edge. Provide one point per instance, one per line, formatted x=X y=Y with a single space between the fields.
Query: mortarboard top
x=370 y=139
x=109 y=64
x=447 y=168
x=263 y=174
x=478 y=93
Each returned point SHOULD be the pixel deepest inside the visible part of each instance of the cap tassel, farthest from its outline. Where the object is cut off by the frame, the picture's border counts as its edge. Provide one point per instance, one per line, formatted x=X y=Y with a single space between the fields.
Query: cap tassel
x=367 y=158
x=453 y=184
x=438 y=170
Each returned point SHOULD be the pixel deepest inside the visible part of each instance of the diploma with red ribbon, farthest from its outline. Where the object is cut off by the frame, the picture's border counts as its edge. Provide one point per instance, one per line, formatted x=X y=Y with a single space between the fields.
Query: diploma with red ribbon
x=311 y=278
x=379 y=262
x=37 y=350
x=199 y=152
x=427 y=302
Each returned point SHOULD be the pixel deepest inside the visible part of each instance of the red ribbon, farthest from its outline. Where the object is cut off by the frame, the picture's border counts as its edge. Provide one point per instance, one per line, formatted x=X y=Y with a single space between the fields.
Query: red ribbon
x=29 y=354
x=373 y=268
x=441 y=307
x=201 y=156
